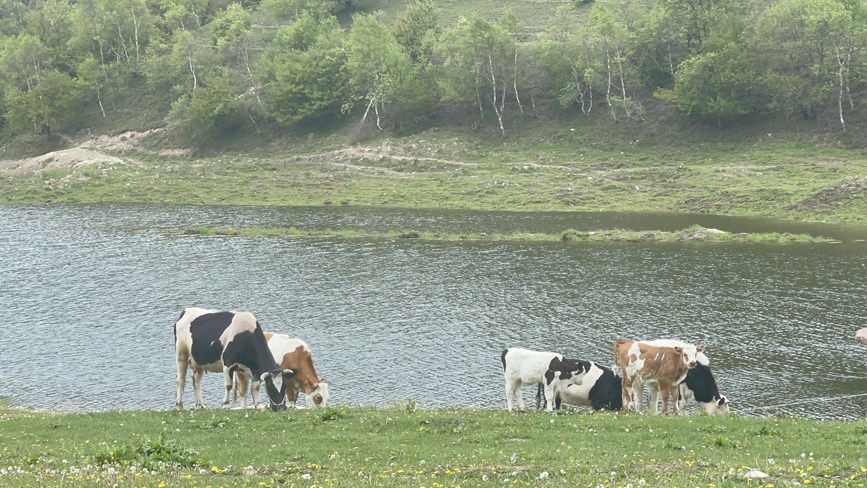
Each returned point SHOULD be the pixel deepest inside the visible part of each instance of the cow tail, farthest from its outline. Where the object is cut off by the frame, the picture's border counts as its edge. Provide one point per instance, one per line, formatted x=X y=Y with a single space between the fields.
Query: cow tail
x=615 y=364
x=503 y=358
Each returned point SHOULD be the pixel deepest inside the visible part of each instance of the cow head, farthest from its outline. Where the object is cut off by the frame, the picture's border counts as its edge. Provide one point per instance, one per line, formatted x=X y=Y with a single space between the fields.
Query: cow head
x=275 y=385
x=690 y=354
x=718 y=406
x=319 y=396
x=567 y=371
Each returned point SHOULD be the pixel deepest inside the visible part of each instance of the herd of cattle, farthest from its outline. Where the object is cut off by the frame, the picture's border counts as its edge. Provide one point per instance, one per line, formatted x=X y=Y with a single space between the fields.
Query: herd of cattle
x=668 y=368
x=235 y=344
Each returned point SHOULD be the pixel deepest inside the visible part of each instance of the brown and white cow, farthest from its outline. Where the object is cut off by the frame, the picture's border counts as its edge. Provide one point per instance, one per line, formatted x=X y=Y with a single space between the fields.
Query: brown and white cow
x=699 y=384
x=293 y=353
x=664 y=367
x=227 y=342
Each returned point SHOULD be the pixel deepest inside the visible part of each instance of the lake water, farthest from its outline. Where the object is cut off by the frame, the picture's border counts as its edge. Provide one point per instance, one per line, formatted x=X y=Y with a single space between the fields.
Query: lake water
x=91 y=292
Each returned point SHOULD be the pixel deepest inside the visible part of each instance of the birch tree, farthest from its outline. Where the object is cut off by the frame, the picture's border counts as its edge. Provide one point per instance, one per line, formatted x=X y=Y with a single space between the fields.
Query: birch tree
x=478 y=58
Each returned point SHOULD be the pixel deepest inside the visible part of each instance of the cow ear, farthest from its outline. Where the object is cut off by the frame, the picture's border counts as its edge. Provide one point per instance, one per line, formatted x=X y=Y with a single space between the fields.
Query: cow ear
x=263 y=376
x=678 y=349
x=288 y=373
x=699 y=348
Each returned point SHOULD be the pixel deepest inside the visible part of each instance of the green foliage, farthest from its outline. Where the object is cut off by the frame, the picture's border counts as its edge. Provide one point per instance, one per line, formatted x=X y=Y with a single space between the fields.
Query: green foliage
x=151 y=454
x=723 y=82
x=306 y=75
x=207 y=113
x=49 y=103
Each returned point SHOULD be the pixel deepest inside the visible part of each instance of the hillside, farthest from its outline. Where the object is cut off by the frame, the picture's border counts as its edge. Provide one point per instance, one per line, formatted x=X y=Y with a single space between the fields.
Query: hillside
x=523 y=105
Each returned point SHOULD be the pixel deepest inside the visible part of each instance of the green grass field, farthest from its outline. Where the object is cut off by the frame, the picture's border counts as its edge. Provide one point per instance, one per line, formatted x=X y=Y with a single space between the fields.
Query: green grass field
x=409 y=446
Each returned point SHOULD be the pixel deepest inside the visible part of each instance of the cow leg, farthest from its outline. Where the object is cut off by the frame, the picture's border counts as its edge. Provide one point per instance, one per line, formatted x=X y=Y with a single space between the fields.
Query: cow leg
x=653 y=400
x=551 y=396
x=197 y=386
x=637 y=394
x=255 y=390
x=180 y=380
x=228 y=372
x=292 y=393
x=681 y=397
x=625 y=393
x=665 y=392
x=513 y=388
x=240 y=389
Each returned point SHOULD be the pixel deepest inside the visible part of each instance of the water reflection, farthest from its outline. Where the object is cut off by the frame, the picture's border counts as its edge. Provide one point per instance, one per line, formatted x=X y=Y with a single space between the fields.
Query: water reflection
x=92 y=297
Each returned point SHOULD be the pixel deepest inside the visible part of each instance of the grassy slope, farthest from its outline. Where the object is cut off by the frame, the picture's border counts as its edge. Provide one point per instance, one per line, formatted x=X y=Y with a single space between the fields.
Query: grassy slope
x=402 y=446
x=573 y=163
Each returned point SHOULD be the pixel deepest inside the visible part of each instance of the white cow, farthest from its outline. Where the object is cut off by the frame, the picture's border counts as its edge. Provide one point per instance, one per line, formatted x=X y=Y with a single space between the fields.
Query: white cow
x=523 y=366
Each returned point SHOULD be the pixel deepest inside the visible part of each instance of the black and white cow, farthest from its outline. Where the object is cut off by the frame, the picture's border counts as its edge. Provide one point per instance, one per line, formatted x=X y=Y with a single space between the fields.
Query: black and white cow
x=701 y=385
x=212 y=340
x=600 y=389
x=523 y=366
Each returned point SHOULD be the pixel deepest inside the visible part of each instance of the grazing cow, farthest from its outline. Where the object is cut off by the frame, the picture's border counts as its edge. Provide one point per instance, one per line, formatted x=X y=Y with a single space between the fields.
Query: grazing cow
x=665 y=366
x=600 y=389
x=211 y=340
x=293 y=353
x=699 y=384
x=531 y=367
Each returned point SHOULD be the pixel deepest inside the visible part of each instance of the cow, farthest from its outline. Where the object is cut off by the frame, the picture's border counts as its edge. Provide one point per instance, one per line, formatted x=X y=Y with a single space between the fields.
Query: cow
x=293 y=353
x=699 y=384
x=522 y=366
x=212 y=340
x=642 y=363
x=600 y=389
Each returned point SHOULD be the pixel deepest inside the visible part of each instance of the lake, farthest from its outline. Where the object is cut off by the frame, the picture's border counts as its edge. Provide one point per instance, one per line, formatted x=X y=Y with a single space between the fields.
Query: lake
x=91 y=293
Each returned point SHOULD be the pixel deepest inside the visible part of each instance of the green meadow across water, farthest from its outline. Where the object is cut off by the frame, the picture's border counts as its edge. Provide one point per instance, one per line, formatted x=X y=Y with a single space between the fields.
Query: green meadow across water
x=407 y=446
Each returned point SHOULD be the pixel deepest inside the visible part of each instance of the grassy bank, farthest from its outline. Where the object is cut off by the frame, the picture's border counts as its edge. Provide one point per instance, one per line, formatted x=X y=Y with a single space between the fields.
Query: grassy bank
x=574 y=164
x=406 y=446
x=695 y=233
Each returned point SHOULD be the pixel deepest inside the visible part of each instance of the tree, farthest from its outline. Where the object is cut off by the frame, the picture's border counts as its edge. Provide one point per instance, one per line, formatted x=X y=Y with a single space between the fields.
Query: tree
x=608 y=62
x=724 y=81
x=22 y=62
x=304 y=71
x=207 y=112
x=46 y=105
x=376 y=64
x=232 y=37
x=478 y=65
x=810 y=48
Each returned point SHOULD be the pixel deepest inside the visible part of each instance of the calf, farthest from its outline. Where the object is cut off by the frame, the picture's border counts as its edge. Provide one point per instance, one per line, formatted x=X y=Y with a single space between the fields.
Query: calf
x=293 y=353
x=522 y=366
x=211 y=340
x=600 y=389
x=699 y=384
x=666 y=367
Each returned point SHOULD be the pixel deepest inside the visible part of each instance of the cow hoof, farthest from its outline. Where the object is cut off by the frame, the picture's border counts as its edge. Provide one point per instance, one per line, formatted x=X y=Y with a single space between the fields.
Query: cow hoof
x=179 y=406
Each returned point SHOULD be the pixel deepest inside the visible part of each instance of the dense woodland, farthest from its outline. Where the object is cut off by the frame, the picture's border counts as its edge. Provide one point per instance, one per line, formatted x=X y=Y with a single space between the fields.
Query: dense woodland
x=206 y=67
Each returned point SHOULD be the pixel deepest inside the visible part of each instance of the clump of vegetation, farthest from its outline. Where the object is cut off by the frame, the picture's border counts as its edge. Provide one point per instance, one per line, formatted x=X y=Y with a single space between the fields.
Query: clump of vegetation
x=693 y=234
x=150 y=454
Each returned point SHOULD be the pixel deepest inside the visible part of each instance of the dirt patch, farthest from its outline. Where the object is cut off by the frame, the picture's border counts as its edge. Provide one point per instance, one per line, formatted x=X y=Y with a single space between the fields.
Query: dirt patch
x=698 y=234
x=846 y=190
x=67 y=158
x=100 y=149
